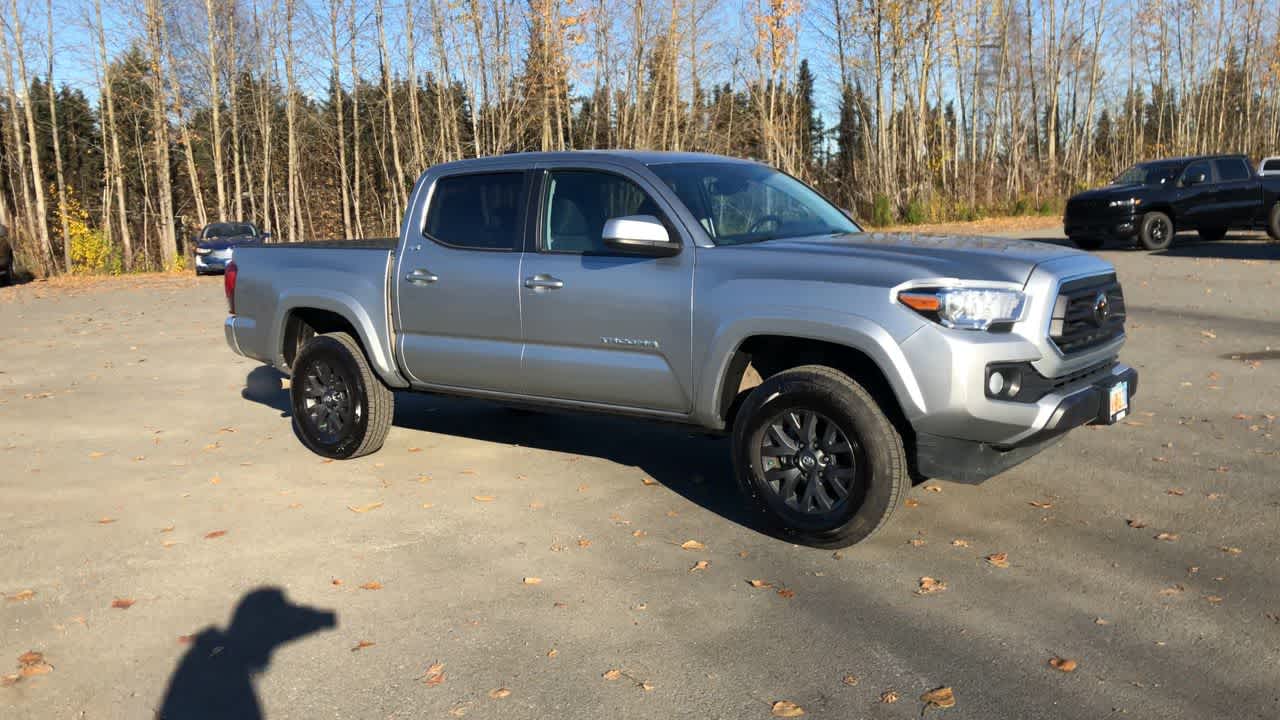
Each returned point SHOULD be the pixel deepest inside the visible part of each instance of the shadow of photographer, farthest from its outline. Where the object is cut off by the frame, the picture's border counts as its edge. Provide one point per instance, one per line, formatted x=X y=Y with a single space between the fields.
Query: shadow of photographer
x=214 y=679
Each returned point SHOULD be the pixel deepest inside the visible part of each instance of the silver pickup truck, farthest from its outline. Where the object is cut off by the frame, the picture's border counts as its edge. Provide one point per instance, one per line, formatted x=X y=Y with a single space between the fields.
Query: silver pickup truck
x=703 y=290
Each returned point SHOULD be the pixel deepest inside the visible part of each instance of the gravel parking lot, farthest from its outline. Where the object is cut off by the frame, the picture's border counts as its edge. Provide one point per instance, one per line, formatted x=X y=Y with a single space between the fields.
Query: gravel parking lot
x=503 y=564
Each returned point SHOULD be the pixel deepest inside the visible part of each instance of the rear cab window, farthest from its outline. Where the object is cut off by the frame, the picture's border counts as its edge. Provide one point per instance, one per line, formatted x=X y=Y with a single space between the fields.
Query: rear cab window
x=478 y=211
x=1232 y=169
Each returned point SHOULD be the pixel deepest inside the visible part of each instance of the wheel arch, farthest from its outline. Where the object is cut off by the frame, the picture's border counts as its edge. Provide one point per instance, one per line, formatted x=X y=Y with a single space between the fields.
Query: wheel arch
x=302 y=317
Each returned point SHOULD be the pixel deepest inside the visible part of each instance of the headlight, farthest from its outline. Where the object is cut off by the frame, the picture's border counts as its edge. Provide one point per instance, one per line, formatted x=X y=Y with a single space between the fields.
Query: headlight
x=1125 y=203
x=972 y=308
x=203 y=251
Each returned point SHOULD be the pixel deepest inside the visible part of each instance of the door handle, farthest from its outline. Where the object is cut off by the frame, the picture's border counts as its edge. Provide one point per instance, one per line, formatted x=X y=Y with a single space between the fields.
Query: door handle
x=543 y=282
x=421 y=276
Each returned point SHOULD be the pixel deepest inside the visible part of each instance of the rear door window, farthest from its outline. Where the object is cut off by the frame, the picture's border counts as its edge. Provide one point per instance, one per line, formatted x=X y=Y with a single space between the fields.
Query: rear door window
x=1231 y=170
x=1272 y=165
x=481 y=211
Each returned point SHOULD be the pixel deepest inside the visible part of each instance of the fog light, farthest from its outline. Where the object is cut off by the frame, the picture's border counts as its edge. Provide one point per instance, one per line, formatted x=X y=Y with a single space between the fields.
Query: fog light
x=995 y=383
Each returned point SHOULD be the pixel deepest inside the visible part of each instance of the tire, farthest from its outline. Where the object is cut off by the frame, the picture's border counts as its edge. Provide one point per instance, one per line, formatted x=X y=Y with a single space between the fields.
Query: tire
x=1085 y=242
x=341 y=410
x=1156 y=231
x=877 y=479
x=1273 y=222
x=1212 y=234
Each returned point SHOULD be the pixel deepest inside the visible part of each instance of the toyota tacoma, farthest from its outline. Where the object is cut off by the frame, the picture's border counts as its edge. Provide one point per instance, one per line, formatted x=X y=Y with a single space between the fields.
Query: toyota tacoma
x=701 y=290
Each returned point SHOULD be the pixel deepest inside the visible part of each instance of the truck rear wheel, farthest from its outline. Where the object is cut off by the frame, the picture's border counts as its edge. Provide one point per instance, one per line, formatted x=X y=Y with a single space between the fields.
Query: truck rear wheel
x=341 y=409
x=1273 y=222
x=818 y=458
x=1156 y=231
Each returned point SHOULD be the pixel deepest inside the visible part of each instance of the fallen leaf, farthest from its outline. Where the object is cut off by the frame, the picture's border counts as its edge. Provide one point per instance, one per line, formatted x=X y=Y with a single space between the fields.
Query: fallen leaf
x=1230 y=550
x=1240 y=416
x=929 y=586
x=1136 y=523
x=106 y=520
x=1101 y=621
x=700 y=565
x=499 y=693
x=428 y=506
x=336 y=581
x=1223 y=469
x=123 y=603
x=942 y=697
x=850 y=680
x=788 y=594
x=911 y=503
x=371 y=585
x=692 y=545
x=648 y=481
x=415 y=449
x=1173 y=590
x=30 y=657
x=1065 y=665
x=364 y=508
x=760 y=584
x=646 y=686
x=958 y=542
x=786 y=709
x=584 y=543
x=532 y=581
x=888 y=697
x=933 y=488
x=1167 y=536
x=214 y=534
x=7 y=680
x=215 y=480
x=434 y=675
x=639 y=533
x=552 y=653
x=1178 y=492
x=837 y=555
x=1209 y=334
x=1213 y=599
x=612 y=674
x=96 y=454
x=32 y=663
x=458 y=710
x=1000 y=560
x=362 y=645
x=916 y=542
x=168 y=529
x=1041 y=505
x=1134 y=423
x=486 y=499
x=21 y=596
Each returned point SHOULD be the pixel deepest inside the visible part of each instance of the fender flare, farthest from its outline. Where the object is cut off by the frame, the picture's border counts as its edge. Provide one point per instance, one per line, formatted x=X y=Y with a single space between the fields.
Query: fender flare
x=348 y=308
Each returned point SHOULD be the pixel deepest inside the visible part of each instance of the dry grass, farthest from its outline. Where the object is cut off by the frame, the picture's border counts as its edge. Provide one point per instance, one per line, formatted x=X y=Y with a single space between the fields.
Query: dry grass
x=984 y=226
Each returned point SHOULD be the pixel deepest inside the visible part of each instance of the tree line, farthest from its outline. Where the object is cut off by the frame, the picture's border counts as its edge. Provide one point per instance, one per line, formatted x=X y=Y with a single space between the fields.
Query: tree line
x=125 y=126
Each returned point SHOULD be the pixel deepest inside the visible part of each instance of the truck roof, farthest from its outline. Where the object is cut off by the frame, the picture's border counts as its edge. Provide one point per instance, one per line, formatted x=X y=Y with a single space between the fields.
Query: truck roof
x=1192 y=158
x=642 y=157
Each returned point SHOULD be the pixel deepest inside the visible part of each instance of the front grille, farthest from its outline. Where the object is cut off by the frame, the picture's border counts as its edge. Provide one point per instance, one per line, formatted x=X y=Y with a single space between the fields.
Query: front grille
x=1078 y=321
x=1080 y=208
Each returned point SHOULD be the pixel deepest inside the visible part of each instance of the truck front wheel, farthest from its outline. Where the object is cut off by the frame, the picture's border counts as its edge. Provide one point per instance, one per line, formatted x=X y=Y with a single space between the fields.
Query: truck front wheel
x=341 y=409
x=1156 y=231
x=818 y=458
x=1273 y=222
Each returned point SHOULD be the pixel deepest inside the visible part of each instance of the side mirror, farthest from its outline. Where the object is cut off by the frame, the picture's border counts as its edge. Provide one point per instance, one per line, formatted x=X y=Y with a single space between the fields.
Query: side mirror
x=639 y=235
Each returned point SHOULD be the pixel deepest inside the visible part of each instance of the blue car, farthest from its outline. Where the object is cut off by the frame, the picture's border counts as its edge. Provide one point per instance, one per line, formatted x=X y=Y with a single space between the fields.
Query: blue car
x=217 y=242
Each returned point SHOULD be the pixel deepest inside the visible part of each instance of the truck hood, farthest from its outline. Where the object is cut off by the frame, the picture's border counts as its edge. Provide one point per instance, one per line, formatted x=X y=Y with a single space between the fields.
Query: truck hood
x=1110 y=192
x=892 y=258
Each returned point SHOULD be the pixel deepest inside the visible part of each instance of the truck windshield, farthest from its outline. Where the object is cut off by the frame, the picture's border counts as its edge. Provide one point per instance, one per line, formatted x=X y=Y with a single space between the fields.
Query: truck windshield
x=1147 y=174
x=742 y=203
x=230 y=230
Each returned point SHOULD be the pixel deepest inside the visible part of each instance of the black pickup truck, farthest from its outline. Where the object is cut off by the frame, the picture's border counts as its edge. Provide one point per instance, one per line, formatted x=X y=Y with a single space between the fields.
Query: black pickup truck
x=1151 y=201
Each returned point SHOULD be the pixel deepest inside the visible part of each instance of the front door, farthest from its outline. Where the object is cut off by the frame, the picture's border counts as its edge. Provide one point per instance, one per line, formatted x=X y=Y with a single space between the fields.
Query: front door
x=601 y=326
x=1195 y=205
x=456 y=284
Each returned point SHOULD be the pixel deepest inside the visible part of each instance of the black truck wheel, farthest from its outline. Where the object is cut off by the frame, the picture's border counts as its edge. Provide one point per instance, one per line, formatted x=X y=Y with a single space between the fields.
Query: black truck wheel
x=1273 y=222
x=1087 y=242
x=818 y=458
x=340 y=408
x=1156 y=231
x=1212 y=234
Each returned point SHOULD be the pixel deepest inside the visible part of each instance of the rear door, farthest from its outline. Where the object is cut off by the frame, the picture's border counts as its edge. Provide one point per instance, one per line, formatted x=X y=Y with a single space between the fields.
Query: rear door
x=1194 y=204
x=602 y=326
x=1239 y=193
x=456 y=281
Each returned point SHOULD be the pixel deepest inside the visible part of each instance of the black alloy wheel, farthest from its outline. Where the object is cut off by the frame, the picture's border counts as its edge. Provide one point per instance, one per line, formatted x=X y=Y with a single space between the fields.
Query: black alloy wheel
x=808 y=462
x=341 y=409
x=1156 y=232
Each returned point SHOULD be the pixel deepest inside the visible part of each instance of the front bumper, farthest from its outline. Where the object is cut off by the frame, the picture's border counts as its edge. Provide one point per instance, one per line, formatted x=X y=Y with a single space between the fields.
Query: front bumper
x=970 y=461
x=213 y=262
x=1114 y=226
